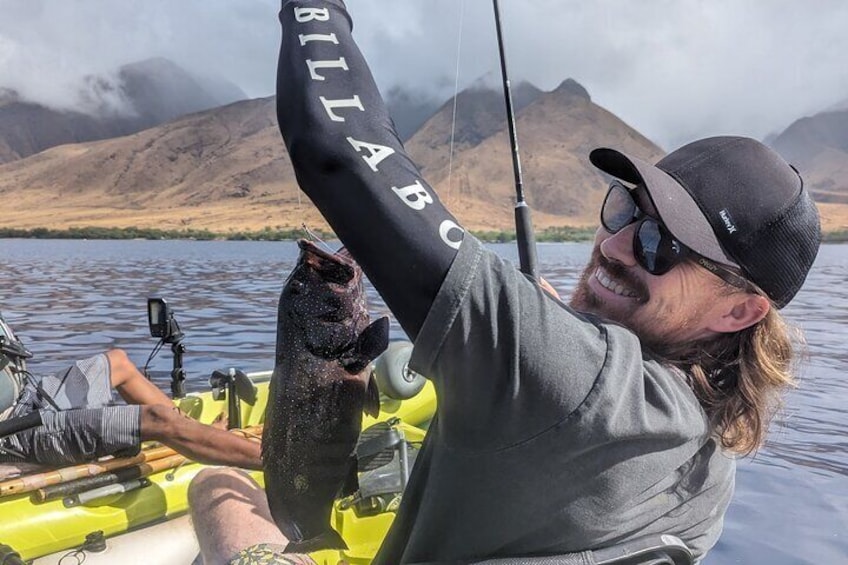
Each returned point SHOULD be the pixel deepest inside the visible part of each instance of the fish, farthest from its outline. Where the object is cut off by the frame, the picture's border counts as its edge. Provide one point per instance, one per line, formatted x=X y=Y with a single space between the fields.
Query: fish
x=318 y=392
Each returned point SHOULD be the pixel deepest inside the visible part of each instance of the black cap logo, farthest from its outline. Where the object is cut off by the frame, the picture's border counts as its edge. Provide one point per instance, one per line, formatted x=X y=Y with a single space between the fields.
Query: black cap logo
x=728 y=221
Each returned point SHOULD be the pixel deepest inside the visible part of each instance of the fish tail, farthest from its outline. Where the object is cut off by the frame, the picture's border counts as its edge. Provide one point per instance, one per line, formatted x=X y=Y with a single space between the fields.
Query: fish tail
x=329 y=539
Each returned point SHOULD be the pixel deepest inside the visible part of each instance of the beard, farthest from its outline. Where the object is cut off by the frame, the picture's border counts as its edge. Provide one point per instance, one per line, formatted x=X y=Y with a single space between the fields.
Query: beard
x=656 y=322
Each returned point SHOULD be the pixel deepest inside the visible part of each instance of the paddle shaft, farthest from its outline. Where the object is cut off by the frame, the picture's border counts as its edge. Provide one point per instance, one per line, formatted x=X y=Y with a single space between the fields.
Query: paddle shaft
x=138 y=471
x=523 y=225
x=67 y=474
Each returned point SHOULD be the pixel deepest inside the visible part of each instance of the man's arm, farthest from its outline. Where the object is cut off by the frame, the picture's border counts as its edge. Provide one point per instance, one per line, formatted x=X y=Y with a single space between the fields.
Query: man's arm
x=350 y=162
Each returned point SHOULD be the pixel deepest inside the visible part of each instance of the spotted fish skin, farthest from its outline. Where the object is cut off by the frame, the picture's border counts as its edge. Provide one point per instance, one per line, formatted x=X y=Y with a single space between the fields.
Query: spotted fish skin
x=319 y=389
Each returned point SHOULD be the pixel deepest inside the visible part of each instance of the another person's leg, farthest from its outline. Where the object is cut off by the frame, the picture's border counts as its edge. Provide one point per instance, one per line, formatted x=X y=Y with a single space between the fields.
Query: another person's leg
x=233 y=522
x=91 y=382
x=133 y=387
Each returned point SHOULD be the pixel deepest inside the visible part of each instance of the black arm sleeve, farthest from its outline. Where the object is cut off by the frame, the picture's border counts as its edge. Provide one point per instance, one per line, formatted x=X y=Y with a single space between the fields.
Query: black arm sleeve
x=350 y=162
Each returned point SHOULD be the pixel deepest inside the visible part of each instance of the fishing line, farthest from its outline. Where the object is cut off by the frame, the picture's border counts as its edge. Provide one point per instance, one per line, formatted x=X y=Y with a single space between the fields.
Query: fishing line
x=317 y=239
x=455 y=91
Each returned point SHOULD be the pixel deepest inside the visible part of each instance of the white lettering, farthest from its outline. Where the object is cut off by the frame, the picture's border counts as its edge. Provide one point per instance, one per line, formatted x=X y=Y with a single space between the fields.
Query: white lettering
x=303 y=15
x=306 y=38
x=415 y=196
x=446 y=228
x=340 y=63
x=376 y=153
x=728 y=222
x=330 y=105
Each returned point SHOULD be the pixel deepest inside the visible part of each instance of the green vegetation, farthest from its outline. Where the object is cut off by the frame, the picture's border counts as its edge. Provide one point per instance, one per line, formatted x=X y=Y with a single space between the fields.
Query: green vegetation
x=555 y=234
x=839 y=236
x=560 y=233
x=266 y=234
x=564 y=233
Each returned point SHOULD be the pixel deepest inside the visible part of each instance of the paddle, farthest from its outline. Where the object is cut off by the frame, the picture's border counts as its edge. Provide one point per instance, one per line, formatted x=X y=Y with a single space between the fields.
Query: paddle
x=36 y=481
x=138 y=471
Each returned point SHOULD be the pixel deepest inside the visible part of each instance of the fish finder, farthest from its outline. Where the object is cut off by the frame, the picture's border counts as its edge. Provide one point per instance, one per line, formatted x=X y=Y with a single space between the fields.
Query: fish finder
x=164 y=326
x=162 y=322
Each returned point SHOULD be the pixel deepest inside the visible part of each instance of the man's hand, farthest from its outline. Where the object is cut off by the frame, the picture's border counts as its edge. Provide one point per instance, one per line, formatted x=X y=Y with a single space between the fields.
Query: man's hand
x=547 y=287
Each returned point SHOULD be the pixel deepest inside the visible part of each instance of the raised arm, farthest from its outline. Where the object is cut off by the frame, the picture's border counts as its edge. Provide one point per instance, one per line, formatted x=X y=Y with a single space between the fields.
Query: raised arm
x=350 y=162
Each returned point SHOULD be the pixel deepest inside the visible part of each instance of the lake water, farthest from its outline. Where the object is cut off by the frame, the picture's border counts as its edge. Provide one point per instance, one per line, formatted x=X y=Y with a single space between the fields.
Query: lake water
x=70 y=299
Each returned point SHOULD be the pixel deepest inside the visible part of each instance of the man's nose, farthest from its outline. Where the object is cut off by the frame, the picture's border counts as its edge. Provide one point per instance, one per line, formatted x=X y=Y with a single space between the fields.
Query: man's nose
x=619 y=246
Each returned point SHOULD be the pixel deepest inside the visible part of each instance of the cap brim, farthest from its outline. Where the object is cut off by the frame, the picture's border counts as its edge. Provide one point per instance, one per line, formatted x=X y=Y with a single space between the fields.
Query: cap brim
x=675 y=206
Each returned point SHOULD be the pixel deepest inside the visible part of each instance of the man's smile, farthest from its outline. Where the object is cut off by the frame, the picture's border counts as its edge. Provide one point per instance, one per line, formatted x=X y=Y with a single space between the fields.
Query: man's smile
x=608 y=282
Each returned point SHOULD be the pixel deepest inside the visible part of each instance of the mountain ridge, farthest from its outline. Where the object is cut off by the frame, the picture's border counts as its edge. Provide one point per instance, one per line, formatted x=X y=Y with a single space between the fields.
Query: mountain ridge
x=226 y=169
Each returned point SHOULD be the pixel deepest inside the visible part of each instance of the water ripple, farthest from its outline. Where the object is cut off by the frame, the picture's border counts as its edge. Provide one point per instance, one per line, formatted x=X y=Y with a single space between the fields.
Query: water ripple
x=69 y=299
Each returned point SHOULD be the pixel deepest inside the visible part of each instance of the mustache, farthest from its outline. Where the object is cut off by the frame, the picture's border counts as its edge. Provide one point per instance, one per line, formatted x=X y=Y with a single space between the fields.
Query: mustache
x=622 y=274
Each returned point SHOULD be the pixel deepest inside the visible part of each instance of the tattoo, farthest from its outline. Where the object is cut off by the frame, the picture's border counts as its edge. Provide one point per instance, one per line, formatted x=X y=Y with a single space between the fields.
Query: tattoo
x=269 y=554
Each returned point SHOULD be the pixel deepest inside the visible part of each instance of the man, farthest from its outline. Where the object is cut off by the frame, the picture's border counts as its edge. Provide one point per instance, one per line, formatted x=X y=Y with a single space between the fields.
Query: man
x=81 y=423
x=559 y=428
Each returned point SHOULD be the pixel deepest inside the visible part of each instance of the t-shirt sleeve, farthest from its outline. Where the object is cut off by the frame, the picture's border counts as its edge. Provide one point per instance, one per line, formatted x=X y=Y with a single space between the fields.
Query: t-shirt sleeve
x=504 y=355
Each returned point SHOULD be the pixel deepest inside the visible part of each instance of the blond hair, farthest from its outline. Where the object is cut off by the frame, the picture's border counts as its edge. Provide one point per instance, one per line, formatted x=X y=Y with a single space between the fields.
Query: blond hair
x=739 y=378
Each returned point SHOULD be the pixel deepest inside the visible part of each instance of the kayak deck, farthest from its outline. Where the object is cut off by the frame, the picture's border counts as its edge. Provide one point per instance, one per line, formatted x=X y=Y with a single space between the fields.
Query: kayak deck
x=36 y=529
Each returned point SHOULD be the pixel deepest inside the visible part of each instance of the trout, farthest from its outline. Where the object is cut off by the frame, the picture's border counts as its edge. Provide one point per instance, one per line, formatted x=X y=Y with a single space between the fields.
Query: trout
x=319 y=389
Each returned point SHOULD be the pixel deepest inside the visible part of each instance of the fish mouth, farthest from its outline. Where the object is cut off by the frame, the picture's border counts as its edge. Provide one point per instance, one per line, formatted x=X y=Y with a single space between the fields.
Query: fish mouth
x=334 y=266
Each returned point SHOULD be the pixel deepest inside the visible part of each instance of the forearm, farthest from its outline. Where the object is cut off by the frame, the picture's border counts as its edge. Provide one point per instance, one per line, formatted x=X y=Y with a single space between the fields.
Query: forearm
x=350 y=162
x=198 y=442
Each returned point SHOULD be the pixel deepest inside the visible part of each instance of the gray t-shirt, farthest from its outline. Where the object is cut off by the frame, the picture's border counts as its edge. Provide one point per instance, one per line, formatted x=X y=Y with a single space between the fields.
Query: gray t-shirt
x=553 y=433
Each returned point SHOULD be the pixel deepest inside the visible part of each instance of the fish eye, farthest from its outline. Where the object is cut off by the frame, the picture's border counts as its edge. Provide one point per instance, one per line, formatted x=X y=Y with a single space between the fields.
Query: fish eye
x=297 y=287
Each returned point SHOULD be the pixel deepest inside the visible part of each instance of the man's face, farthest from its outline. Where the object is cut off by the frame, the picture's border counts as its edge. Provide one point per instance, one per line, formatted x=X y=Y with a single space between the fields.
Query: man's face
x=676 y=307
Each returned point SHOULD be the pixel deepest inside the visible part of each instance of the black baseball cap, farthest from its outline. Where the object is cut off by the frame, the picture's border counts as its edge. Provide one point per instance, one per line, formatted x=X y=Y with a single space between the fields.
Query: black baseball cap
x=734 y=201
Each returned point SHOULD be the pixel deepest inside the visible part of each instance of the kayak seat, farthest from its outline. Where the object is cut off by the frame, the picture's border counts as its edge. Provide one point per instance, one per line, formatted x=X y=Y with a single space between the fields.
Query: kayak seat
x=648 y=550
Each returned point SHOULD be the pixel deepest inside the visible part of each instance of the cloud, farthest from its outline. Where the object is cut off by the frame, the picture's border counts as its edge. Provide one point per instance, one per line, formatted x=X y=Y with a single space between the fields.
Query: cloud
x=674 y=69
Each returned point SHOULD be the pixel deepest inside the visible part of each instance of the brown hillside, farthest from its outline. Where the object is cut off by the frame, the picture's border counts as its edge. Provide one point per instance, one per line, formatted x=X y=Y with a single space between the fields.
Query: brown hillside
x=226 y=169
x=221 y=169
x=555 y=134
x=818 y=146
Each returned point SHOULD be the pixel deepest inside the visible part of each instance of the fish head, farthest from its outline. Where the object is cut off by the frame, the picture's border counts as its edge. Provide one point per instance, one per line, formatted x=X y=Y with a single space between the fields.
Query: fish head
x=325 y=297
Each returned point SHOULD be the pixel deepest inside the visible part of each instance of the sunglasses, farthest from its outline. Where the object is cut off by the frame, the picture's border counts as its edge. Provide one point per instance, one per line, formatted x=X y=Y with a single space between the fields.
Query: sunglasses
x=655 y=248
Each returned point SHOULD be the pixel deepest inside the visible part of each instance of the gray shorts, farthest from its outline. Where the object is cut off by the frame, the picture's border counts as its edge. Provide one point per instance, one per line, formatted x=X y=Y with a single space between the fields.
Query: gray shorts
x=85 y=427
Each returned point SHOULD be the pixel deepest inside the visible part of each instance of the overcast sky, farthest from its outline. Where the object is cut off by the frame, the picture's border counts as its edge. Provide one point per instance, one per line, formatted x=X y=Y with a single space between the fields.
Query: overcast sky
x=675 y=70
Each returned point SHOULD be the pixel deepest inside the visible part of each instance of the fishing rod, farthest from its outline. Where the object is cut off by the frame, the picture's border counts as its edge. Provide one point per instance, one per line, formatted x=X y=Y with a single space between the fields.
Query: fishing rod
x=523 y=225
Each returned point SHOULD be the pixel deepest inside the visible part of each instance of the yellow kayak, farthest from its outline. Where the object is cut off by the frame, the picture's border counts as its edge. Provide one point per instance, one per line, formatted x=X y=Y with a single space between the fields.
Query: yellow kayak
x=35 y=529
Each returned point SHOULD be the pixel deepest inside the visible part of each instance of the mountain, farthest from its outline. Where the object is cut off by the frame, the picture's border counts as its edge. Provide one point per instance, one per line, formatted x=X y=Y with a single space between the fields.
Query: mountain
x=555 y=131
x=152 y=92
x=226 y=168
x=409 y=110
x=219 y=169
x=818 y=147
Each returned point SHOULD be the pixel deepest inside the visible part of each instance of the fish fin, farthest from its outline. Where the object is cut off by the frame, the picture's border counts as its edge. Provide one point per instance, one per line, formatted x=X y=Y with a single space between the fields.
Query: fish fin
x=371 y=406
x=325 y=540
x=351 y=484
x=371 y=342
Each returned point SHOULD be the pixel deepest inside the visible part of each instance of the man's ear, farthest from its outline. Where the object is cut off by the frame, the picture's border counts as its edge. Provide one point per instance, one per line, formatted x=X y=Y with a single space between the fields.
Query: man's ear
x=743 y=311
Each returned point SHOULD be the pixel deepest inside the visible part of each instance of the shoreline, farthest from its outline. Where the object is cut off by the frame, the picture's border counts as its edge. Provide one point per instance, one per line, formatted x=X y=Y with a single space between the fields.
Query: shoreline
x=556 y=234
x=551 y=234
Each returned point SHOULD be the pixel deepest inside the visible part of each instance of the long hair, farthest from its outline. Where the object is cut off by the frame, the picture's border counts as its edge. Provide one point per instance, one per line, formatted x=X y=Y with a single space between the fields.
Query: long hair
x=739 y=378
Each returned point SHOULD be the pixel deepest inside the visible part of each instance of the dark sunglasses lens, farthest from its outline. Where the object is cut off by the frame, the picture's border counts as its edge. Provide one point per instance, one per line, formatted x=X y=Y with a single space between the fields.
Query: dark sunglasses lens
x=619 y=209
x=655 y=248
